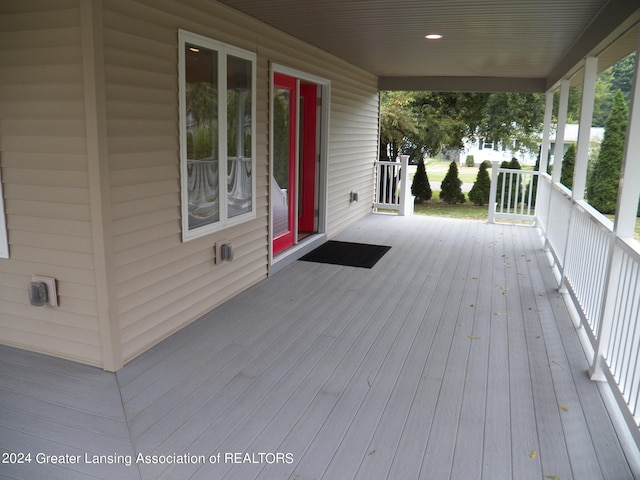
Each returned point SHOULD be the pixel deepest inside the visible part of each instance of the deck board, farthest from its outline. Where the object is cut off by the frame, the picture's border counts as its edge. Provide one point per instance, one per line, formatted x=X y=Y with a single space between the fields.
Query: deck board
x=453 y=358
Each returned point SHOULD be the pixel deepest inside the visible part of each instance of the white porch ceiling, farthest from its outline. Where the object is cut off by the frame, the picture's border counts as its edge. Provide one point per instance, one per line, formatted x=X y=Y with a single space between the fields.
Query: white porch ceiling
x=520 y=45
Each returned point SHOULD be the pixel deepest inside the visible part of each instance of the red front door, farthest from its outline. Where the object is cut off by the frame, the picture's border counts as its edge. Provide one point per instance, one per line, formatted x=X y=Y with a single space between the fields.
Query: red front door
x=285 y=144
x=293 y=184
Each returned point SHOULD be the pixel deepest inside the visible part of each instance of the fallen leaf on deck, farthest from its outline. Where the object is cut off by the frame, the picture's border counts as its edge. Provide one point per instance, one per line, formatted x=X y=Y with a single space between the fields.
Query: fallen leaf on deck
x=533 y=454
x=372 y=452
x=563 y=408
x=552 y=477
x=473 y=337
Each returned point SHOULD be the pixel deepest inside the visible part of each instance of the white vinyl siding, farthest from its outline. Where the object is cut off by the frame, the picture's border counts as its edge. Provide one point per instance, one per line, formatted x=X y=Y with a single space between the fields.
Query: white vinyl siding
x=125 y=256
x=45 y=181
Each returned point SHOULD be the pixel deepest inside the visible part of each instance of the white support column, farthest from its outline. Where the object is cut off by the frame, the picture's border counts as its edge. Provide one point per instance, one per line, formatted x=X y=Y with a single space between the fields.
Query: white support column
x=624 y=225
x=558 y=150
x=493 y=192
x=406 y=199
x=630 y=176
x=546 y=132
x=582 y=158
x=584 y=132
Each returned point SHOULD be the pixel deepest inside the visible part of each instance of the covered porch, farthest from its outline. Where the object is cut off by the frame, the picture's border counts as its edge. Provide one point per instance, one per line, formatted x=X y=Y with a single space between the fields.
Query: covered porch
x=455 y=357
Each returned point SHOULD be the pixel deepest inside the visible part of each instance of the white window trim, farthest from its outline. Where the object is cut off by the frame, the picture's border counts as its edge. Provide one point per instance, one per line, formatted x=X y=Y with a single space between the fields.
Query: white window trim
x=4 y=243
x=223 y=51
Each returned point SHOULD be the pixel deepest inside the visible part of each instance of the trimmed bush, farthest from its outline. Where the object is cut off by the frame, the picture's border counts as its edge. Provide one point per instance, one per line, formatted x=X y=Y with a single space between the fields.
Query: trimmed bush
x=450 y=191
x=420 y=187
x=470 y=162
x=602 y=184
x=568 y=164
x=479 y=193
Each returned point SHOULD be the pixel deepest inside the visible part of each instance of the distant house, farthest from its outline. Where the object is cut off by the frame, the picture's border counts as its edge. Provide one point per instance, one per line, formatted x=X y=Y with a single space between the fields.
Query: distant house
x=484 y=149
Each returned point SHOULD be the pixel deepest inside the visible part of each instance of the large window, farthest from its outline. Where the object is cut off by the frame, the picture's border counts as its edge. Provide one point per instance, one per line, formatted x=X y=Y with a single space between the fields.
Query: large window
x=217 y=134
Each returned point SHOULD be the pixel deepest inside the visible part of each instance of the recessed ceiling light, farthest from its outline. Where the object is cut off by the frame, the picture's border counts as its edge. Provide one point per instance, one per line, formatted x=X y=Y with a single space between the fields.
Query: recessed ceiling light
x=433 y=36
x=194 y=49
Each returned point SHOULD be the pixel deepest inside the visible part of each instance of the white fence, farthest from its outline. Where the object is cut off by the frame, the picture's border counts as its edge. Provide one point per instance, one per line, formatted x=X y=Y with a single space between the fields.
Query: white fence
x=512 y=195
x=601 y=273
x=393 y=190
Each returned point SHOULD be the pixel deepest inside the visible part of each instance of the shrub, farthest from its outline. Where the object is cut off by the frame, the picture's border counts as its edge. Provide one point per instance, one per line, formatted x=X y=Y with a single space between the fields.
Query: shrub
x=568 y=164
x=450 y=190
x=469 y=161
x=420 y=187
x=479 y=193
x=602 y=184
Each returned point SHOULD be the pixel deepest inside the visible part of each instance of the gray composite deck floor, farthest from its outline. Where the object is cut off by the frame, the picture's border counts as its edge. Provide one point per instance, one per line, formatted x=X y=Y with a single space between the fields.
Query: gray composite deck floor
x=453 y=358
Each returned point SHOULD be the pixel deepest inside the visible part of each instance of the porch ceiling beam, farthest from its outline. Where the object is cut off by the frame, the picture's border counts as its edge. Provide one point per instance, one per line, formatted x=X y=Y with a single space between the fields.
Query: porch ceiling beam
x=615 y=18
x=463 y=84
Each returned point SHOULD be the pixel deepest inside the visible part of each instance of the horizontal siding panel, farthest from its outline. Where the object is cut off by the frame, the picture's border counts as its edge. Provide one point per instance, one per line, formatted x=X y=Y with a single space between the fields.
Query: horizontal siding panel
x=124 y=212
x=62 y=195
x=37 y=144
x=43 y=177
x=41 y=74
x=74 y=307
x=56 y=37
x=118 y=76
x=127 y=193
x=134 y=94
x=46 y=184
x=33 y=91
x=52 y=257
x=55 y=226
x=138 y=223
x=52 y=241
x=42 y=343
x=140 y=238
x=62 y=274
x=41 y=56
x=128 y=275
x=36 y=19
x=45 y=209
x=42 y=109
x=134 y=176
x=141 y=61
x=119 y=110
x=126 y=160
x=55 y=318
x=134 y=143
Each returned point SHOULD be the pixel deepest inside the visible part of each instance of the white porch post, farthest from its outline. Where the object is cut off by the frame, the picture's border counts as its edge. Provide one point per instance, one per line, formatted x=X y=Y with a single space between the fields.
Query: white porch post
x=624 y=225
x=582 y=155
x=558 y=149
x=493 y=191
x=546 y=132
x=584 y=132
x=406 y=200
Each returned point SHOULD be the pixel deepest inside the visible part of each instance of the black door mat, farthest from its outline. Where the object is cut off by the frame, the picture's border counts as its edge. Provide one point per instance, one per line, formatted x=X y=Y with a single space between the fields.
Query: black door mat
x=347 y=253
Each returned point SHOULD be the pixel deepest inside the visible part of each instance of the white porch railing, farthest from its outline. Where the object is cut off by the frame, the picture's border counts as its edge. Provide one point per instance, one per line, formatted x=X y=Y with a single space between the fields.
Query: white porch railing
x=393 y=190
x=601 y=273
x=512 y=195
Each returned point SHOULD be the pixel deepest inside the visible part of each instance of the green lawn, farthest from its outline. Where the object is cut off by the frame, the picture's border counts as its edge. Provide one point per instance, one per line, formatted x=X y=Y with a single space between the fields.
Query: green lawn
x=437 y=208
x=436 y=170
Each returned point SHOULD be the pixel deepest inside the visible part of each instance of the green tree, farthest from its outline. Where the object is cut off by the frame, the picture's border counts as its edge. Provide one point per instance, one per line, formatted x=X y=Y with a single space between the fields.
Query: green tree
x=420 y=187
x=397 y=123
x=479 y=193
x=450 y=190
x=604 y=178
x=568 y=164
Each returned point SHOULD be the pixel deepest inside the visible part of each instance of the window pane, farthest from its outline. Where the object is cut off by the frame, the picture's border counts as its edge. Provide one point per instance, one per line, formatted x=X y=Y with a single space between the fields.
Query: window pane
x=239 y=141
x=281 y=153
x=203 y=168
